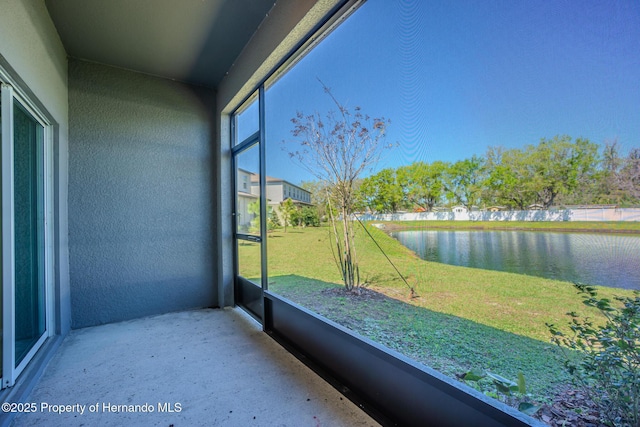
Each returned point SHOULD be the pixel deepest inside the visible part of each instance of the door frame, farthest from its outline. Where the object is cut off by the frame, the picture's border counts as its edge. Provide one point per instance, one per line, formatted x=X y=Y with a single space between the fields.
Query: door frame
x=11 y=93
x=241 y=285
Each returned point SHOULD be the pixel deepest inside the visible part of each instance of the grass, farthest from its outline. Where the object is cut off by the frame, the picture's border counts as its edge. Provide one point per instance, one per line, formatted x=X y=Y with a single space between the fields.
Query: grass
x=450 y=344
x=464 y=318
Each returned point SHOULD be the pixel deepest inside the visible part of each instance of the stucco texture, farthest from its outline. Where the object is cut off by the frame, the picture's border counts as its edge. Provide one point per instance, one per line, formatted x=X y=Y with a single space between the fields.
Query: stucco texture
x=31 y=48
x=141 y=217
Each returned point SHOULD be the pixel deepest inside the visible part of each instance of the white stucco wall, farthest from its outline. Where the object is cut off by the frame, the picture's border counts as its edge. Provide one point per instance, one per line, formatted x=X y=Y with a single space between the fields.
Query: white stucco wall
x=30 y=44
x=32 y=53
x=140 y=195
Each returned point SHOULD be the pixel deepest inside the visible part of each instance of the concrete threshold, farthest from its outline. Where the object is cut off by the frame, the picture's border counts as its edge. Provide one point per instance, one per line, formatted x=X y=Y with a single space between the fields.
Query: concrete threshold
x=193 y=368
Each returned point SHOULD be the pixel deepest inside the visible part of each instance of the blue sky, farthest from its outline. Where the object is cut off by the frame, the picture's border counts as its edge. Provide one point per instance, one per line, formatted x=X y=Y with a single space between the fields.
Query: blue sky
x=456 y=77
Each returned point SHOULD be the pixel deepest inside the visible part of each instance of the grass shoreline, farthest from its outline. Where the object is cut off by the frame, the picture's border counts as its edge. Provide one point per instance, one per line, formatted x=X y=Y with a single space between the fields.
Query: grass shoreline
x=627 y=227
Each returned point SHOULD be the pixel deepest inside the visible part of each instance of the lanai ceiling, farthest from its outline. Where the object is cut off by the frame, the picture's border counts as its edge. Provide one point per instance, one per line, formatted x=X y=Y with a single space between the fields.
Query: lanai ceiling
x=194 y=41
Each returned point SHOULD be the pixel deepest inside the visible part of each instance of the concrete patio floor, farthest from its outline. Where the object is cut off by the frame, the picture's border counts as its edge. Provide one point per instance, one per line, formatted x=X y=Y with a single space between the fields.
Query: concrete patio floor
x=194 y=368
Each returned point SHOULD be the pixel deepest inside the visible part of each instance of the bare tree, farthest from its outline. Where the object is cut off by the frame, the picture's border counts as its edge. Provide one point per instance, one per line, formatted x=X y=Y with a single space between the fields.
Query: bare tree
x=621 y=179
x=630 y=175
x=337 y=148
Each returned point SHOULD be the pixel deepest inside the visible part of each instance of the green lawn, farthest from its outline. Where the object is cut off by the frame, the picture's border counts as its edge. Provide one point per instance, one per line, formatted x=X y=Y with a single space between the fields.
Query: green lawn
x=464 y=318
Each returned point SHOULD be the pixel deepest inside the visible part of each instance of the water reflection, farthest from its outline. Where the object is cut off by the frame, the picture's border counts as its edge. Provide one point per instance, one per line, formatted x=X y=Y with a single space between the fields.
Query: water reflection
x=600 y=259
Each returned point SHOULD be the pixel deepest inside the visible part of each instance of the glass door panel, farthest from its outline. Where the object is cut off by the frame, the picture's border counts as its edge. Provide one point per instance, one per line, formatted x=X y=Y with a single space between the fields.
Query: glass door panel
x=28 y=231
x=248 y=192
x=248 y=235
x=247 y=119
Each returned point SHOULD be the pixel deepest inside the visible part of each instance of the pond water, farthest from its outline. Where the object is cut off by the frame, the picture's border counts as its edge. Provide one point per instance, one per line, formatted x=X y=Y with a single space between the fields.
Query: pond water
x=600 y=259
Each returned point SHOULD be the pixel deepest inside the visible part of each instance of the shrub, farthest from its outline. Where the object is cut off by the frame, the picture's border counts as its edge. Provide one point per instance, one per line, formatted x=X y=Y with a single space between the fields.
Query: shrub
x=504 y=389
x=306 y=216
x=273 y=221
x=609 y=367
x=309 y=216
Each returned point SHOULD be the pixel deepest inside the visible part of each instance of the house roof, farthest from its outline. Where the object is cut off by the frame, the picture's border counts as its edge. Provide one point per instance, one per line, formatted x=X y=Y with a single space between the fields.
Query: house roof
x=194 y=41
x=248 y=195
x=255 y=178
x=272 y=180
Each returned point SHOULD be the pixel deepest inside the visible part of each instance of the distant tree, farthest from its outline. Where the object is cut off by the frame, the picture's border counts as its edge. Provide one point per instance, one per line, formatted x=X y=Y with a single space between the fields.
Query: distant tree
x=381 y=192
x=618 y=176
x=423 y=183
x=508 y=173
x=287 y=211
x=611 y=161
x=253 y=209
x=630 y=176
x=273 y=221
x=319 y=198
x=607 y=185
x=307 y=216
x=464 y=181
x=561 y=167
x=556 y=171
x=337 y=148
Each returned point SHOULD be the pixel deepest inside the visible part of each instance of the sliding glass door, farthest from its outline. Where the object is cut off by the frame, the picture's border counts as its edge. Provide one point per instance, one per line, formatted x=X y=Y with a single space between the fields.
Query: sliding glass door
x=24 y=274
x=249 y=206
x=28 y=216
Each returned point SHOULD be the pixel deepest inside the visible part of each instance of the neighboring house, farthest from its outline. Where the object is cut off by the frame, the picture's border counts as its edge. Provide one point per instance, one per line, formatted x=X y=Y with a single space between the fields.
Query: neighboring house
x=279 y=190
x=247 y=194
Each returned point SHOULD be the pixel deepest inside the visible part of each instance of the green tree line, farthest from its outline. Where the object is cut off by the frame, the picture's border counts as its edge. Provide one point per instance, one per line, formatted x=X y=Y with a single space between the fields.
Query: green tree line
x=555 y=172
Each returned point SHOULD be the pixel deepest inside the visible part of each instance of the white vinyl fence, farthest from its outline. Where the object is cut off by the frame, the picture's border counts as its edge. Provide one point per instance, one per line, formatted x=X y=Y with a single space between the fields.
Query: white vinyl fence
x=595 y=214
